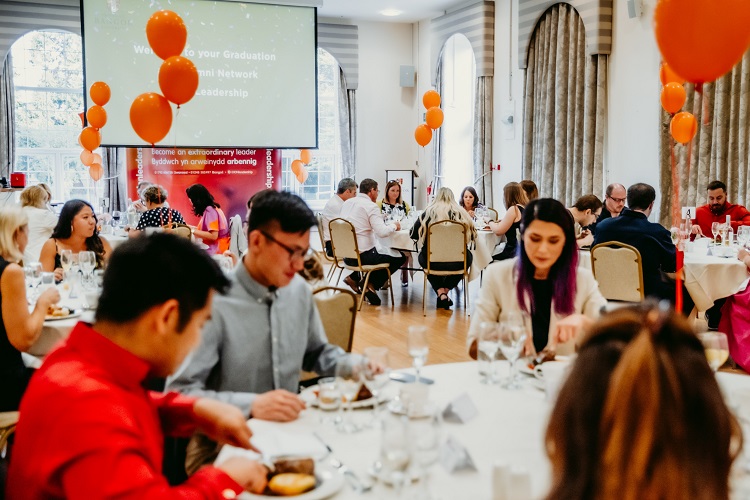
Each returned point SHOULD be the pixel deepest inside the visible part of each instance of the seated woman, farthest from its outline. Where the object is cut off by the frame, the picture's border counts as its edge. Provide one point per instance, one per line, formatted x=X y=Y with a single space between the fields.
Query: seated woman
x=212 y=227
x=586 y=210
x=76 y=231
x=515 y=201
x=544 y=280
x=641 y=415
x=529 y=186
x=156 y=214
x=444 y=207
x=392 y=199
x=19 y=328
x=469 y=200
x=42 y=220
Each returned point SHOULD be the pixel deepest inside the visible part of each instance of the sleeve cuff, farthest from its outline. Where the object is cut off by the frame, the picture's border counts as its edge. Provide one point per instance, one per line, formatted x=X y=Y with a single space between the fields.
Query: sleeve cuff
x=222 y=486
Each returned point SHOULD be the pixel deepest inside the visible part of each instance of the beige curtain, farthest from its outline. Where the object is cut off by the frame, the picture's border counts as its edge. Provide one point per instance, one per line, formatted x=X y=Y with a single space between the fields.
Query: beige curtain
x=7 y=117
x=564 y=109
x=113 y=180
x=483 y=138
x=438 y=138
x=347 y=128
x=720 y=149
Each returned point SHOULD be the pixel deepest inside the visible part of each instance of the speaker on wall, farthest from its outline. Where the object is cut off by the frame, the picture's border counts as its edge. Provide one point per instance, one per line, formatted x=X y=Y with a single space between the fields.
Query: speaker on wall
x=407 y=76
x=634 y=8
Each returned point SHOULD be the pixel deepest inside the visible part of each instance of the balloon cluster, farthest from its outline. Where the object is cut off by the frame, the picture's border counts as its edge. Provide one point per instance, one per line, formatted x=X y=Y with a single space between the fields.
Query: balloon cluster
x=433 y=118
x=683 y=126
x=298 y=166
x=91 y=136
x=151 y=113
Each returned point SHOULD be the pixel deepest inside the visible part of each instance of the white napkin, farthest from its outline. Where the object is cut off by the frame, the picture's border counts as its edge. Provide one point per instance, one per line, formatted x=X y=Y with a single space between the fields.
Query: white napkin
x=274 y=441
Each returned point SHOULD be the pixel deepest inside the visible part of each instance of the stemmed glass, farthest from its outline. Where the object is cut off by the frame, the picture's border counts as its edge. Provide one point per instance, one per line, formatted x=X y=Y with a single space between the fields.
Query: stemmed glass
x=743 y=235
x=33 y=272
x=116 y=219
x=349 y=375
x=376 y=375
x=716 y=229
x=487 y=347
x=418 y=347
x=87 y=261
x=66 y=261
x=513 y=334
x=426 y=438
x=716 y=348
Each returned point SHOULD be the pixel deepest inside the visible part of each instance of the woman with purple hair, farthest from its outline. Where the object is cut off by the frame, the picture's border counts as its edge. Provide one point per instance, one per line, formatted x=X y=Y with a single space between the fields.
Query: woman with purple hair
x=544 y=280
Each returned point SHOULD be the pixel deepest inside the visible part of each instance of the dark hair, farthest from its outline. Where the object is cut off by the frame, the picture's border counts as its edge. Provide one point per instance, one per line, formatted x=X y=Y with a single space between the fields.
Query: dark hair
x=200 y=198
x=171 y=267
x=716 y=185
x=532 y=193
x=473 y=193
x=640 y=196
x=288 y=209
x=155 y=194
x=641 y=415
x=388 y=186
x=588 y=202
x=64 y=228
x=367 y=185
x=256 y=196
x=563 y=272
x=345 y=185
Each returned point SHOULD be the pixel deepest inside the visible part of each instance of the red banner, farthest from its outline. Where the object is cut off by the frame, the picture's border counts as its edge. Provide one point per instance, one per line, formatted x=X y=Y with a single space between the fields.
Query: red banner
x=231 y=175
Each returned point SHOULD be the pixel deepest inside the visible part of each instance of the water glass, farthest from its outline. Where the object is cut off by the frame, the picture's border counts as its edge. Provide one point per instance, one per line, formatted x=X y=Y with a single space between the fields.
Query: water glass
x=329 y=399
x=349 y=375
x=66 y=261
x=716 y=348
x=395 y=451
x=426 y=439
x=33 y=273
x=418 y=347
x=87 y=263
x=488 y=344
x=514 y=330
x=48 y=281
x=376 y=375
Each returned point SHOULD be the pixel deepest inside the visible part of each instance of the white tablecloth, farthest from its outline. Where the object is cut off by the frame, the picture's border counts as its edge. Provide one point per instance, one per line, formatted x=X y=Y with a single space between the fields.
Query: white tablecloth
x=708 y=278
x=53 y=332
x=115 y=240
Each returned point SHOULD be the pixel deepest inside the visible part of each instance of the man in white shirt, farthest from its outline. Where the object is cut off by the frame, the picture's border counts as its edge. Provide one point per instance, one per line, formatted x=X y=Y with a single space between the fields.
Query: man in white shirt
x=368 y=222
x=347 y=189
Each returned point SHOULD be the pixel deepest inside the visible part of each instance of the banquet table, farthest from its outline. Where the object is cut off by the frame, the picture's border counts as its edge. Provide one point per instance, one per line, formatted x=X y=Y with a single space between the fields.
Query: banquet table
x=509 y=429
x=55 y=331
x=115 y=240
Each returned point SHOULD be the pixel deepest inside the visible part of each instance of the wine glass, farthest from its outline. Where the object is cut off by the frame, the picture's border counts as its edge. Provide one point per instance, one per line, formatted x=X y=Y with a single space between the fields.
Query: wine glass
x=743 y=235
x=349 y=375
x=376 y=375
x=116 y=218
x=487 y=347
x=87 y=262
x=716 y=348
x=33 y=272
x=513 y=334
x=66 y=261
x=418 y=348
x=716 y=229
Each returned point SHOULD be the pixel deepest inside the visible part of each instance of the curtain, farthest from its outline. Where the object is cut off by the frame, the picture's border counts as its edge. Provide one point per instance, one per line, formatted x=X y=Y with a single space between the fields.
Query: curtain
x=438 y=137
x=113 y=162
x=347 y=128
x=565 y=109
x=483 y=138
x=7 y=128
x=720 y=149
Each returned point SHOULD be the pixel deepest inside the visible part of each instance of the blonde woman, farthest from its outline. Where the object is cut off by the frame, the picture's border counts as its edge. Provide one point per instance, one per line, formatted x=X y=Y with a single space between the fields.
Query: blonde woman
x=34 y=202
x=444 y=207
x=20 y=328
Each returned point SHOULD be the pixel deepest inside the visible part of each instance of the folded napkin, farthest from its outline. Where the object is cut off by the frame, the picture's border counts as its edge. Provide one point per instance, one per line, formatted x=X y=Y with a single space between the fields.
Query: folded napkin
x=273 y=441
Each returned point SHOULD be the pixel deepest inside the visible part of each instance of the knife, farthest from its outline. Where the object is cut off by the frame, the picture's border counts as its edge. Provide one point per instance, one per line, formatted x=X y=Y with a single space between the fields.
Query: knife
x=408 y=378
x=354 y=481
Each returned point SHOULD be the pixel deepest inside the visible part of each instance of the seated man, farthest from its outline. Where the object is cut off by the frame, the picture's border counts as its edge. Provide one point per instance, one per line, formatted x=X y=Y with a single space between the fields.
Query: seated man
x=614 y=202
x=717 y=209
x=347 y=189
x=652 y=240
x=585 y=212
x=89 y=429
x=365 y=216
x=266 y=329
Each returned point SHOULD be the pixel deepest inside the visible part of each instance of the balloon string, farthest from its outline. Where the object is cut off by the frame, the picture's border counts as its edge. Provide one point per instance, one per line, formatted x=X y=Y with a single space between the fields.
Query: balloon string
x=675 y=183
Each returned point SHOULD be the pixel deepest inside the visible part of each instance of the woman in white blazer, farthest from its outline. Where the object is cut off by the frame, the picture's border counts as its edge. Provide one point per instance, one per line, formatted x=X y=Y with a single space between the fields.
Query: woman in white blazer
x=545 y=281
x=42 y=220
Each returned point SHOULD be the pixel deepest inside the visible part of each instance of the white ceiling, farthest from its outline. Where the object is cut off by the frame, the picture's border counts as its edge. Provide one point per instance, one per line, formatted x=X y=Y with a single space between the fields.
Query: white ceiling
x=369 y=10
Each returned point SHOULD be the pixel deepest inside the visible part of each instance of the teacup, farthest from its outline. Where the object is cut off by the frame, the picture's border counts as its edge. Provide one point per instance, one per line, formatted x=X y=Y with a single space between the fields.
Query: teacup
x=553 y=374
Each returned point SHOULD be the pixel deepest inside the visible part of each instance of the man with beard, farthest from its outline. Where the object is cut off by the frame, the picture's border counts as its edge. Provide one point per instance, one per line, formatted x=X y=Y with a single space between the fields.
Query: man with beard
x=717 y=209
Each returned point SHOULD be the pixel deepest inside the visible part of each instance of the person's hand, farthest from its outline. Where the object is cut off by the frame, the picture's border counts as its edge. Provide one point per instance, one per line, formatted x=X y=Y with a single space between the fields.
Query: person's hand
x=584 y=233
x=228 y=253
x=743 y=256
x=570 y=327
x=471 y=213
x=59 y=274
x=586 y=241
x=222 y=422
x=528 y=347
x=48 y=297
x=397 y=225
x=696 y=229
x=279 y=405
x=249 y=474
x=375 y=367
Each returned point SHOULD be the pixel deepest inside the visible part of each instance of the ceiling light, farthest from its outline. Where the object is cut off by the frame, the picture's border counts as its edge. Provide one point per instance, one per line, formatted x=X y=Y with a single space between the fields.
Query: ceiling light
x=391 y=12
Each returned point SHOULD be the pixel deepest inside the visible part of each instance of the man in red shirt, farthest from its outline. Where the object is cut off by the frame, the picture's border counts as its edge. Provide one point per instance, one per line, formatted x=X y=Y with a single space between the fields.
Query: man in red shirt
x=717 y=209
x=89 y=429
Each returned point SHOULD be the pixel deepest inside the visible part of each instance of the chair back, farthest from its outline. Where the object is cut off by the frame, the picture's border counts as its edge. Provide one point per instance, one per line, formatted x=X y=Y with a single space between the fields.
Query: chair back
x=179 y=229
x=618 y=269
x=321 y=222
x=493 y=214
x=338 y=311
x=446 y=242
x=237 y=237
x=343 y=239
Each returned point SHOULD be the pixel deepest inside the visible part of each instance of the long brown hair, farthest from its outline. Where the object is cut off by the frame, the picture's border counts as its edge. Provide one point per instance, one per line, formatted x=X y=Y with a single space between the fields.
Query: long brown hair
x=641 y=415
x=388 y=186
x=514 y=194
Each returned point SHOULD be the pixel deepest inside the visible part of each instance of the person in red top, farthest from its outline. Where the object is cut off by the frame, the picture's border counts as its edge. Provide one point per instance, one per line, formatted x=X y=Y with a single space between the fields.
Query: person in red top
x=89 y=429
x=717 y=209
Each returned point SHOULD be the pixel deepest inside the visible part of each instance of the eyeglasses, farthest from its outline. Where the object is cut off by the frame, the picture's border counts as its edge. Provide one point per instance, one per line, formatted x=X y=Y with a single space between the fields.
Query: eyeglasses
x=294 y=253
x=616 y=200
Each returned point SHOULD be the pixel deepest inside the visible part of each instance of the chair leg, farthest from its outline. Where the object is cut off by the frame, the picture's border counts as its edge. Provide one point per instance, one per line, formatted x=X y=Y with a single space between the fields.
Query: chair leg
x=466 y=294
x=341 y=272
x=364 y=289
x=424 y=295
x=331 y=271
x=390 y=287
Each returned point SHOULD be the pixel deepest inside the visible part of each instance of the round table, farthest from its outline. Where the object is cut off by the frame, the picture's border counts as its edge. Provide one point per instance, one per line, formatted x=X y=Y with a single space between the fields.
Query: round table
x=708 y=278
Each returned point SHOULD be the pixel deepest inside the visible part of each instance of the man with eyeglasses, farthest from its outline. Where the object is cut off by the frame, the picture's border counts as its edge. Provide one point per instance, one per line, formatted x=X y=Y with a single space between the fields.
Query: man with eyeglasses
x=266 y=329
x=614 y=202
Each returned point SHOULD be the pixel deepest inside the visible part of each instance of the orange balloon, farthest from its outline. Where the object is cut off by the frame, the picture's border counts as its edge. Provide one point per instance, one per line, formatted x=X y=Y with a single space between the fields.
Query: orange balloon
x=87 y=157
x=434 y=117
x=302 y=175
x=297 y=167
x=305 y=156
x=96 y=171
x=702 y=39
x=666 y=75
x=178 y=79
x=683 y=127
x=100 y=93
x=151 y=117
x=166 y=33
x=423 y=135
x=97 y=158
x=673 y=97
x=90 y=138
x=97 y=116
x=431 y=99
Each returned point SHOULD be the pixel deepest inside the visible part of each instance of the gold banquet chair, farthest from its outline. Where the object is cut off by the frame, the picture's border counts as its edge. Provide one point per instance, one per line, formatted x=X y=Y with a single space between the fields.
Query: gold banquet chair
x=178 y=229
x=446 y=242
x=8 y=421
x=493 y=214
x=338 y=311
x=344 y=244
x=323 y=255
x=618 y=269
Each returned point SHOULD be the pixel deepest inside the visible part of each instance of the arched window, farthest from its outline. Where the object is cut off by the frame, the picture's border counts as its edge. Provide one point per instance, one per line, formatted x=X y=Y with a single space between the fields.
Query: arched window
x=325 y=168
x=48 y=86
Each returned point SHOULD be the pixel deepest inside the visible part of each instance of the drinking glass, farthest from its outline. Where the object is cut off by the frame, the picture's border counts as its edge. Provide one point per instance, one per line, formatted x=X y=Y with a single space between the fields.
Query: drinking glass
x=329 y=399
x=133 y=219
x=48 y=281
x=487 y=347
x=743 y=235
x=349 y=375
x=376 y=375
x=395 y=451
x=716 y=229
x=426 y=437
x=66 y=261
x=116 y=218
x=33 y=272
x=87 y=262
x=513 y=333
x=418 y=347
x=716 y=348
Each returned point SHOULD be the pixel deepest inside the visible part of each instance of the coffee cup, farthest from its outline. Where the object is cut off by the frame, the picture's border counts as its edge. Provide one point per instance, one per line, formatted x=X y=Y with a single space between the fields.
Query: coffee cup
x=553 y=374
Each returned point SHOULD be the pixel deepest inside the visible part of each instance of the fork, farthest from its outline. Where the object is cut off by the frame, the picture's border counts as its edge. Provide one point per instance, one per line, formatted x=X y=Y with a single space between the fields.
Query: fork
x=354 y=481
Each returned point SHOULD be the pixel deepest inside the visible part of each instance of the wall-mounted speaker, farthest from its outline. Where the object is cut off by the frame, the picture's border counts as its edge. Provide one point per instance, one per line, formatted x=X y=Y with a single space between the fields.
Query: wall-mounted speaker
x=634 y=8
x=407 y=76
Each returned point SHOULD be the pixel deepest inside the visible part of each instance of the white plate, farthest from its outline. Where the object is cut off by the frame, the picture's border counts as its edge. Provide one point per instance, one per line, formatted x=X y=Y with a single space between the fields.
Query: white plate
x=74 y=313
x=523 y=364
x=329 y=481
x=310 y=397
